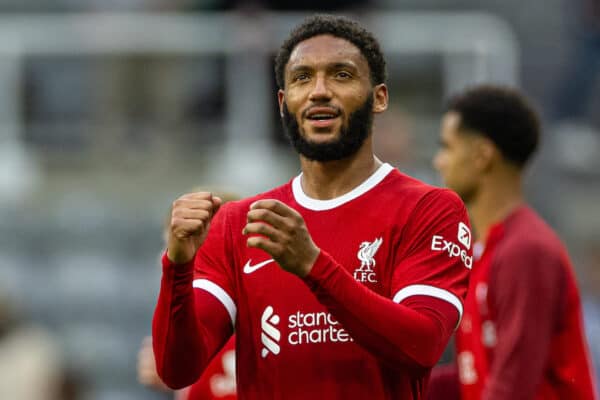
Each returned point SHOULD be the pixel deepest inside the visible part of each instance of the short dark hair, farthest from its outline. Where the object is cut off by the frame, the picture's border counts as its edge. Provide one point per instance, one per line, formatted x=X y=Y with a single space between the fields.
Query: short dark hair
x=341 y=27
x=503 y=115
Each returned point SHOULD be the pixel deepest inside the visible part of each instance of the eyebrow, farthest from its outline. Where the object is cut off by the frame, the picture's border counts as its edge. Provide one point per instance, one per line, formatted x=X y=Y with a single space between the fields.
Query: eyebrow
x=299 y=68
x=337 y=65
x=342 y=65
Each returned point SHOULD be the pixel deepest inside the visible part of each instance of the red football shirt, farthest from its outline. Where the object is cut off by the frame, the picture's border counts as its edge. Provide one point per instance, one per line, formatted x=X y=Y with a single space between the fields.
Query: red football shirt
x=522 y=334
x=370 y=320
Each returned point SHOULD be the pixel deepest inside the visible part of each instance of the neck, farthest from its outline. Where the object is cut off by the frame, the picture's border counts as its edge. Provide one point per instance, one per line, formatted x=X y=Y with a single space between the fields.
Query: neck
x=497 y=198
x=331 y=179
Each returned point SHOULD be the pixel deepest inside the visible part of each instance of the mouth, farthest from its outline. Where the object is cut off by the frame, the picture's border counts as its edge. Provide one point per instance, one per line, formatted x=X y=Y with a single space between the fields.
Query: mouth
x=322 y=117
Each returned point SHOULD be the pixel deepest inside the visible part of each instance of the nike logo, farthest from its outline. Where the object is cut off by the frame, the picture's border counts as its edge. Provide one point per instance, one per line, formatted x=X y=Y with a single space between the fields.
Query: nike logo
x=248 y=269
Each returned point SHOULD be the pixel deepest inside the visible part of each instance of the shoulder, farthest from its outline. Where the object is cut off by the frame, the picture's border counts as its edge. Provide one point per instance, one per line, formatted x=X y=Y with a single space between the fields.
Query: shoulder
x=426 y=210
x=442 y=199
x=420 y=195
x=527 y=235
x=529 y=249
x=529 y=265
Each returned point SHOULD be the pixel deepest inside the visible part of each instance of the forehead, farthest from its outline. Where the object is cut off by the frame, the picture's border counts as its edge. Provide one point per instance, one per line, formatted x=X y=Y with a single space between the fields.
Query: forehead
x=450 y=125
x=326 y=49
x=453 y=133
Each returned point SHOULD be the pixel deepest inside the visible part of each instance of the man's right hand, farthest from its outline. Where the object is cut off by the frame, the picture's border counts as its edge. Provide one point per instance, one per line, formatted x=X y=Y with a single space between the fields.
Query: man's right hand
x=190 y=219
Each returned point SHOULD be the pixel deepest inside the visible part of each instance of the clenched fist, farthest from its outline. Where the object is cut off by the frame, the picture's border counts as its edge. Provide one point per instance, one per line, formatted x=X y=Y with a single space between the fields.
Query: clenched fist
x=280 y=231
x=190 y=219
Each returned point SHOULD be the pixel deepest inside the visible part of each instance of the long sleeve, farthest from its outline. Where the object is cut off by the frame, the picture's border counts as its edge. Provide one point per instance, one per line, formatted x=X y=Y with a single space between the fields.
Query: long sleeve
x=412 y=334
x=189 y=326
x=527 y=293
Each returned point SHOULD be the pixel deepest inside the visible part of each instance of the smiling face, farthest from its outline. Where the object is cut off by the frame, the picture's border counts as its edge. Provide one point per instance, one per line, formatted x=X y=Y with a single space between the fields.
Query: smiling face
x=328 y=102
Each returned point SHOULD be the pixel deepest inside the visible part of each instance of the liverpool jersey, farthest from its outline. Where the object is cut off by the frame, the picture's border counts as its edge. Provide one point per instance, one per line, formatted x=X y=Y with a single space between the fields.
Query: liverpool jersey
x=522 y=334
x=369 y=321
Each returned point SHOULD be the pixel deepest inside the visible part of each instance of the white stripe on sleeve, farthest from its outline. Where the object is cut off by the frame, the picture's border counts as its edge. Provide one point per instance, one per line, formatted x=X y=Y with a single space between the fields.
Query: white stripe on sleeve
x=220 y=294
x=426 y=290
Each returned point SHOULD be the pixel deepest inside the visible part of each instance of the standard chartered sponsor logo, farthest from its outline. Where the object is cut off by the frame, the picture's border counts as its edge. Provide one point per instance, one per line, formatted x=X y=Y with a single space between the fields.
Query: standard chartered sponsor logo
x=269 y=335
x=303 y=328
x=438 y=243
x=319 y=327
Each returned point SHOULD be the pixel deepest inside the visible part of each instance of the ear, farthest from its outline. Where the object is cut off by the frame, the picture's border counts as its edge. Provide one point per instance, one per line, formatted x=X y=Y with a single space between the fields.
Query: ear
x=487 y=154
x=281 y=101
x=380 y=98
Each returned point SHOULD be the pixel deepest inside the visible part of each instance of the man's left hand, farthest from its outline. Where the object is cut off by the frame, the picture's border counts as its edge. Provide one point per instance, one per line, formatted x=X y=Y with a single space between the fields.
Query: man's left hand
x=280 y=231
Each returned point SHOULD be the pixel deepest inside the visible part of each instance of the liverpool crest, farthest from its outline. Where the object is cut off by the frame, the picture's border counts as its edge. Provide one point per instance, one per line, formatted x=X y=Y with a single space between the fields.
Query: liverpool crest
x=366 y=255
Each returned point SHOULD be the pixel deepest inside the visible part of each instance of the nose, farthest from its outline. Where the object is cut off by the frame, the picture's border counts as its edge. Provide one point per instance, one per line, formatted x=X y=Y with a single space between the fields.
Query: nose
x=320 y=91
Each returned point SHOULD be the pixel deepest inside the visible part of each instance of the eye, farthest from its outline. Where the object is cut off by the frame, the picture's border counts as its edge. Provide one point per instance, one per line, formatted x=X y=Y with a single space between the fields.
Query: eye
x=302 y=76
x=343 y=75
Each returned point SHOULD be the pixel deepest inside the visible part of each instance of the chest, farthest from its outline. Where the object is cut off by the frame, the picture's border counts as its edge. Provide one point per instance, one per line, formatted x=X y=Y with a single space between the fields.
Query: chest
x=365 y=246
x=281 y=317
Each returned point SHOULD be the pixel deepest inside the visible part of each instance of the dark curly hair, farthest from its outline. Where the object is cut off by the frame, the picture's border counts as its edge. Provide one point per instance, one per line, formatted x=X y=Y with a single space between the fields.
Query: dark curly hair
x=503 y=115
x=340 y=27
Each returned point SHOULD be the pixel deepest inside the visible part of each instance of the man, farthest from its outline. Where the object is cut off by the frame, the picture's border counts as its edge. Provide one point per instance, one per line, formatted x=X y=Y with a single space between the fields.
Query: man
x=521 y=336
x=344 y=283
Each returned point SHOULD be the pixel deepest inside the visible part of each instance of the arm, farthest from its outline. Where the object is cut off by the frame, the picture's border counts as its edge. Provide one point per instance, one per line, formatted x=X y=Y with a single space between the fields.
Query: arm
x=189 y=327
x=526 y=292
x=413 y=333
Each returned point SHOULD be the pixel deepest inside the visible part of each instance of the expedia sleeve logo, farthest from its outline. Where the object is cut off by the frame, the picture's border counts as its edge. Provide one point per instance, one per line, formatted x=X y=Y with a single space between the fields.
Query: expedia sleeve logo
x=439 y=243
x=464 y=235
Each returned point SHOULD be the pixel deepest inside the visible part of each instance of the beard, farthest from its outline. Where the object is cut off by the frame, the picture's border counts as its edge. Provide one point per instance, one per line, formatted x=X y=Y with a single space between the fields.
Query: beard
x=350 y=139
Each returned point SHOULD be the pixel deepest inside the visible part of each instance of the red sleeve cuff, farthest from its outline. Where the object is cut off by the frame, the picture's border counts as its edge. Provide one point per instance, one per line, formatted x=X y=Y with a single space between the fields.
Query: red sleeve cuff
x=169 y=265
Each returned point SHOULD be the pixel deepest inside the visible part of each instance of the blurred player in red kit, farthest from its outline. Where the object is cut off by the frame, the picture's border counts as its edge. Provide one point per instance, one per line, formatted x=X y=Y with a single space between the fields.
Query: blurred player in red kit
x=344 y=283
x=521 y=336
x=217 y=382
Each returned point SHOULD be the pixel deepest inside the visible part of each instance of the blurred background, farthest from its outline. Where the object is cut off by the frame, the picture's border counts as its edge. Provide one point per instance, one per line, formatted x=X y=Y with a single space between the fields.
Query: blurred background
x=111 y=109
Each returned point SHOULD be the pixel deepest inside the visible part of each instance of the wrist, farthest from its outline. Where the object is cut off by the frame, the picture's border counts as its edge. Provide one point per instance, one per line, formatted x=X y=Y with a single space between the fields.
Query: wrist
x=172 y=261
x=307 y=268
